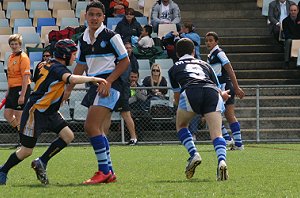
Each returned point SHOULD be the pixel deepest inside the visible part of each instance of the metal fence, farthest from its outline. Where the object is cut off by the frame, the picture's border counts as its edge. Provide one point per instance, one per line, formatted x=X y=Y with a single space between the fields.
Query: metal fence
x=267 y=113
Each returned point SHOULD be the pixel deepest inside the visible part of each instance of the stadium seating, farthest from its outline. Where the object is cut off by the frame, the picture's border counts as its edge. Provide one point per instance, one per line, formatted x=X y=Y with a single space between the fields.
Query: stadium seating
x=44 y=33
x=44 y=22
x=51 y=3
x=26 y=30
x=71 y=22
x=60 y=6
x=41 y=14
x=14 y=6
x=265 y=7
x=142 y=20
x=17 y=14
x=113 y=21
x=144 y=64
x=5 y=30
x=164 y=63
x=64 y=14
x=148 y=7
x=22 y=23
x=37 y=6
x=295 y=48
x=163 y=29
x=80 y=5
x=35 y=56
x=298 y=59
x=3 y=77
x=2 y=14
x=143 y=74
x=28 y=3
x=5 y=3
x=82 y=17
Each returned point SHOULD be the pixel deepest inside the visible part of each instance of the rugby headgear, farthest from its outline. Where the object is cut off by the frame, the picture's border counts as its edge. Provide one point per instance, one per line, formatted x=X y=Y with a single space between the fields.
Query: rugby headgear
x=64 y=49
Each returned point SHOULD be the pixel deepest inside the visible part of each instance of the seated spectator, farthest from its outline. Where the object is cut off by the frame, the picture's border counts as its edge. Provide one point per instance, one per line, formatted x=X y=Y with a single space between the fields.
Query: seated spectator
x=128 y=26
x=291 y=30
x=278 y=10
x=145 y=40
x=46 y=56
x=136 y=95
x=155 y=80
x=187 y=31
x=118 y=7
x=165 y=12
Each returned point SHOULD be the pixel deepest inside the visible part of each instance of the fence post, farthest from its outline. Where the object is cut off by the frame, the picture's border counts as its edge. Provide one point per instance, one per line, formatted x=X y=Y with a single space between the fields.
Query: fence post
x=257 y=114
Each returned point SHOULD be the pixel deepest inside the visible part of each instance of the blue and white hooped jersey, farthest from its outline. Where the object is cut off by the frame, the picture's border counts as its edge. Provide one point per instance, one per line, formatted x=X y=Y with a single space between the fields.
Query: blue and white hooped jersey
x=217 y=59
x=101 y=56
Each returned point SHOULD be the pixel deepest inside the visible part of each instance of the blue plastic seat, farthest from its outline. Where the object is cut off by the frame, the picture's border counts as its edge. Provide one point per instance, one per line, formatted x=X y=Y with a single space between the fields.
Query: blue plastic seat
x=44 y=22
x=36 y=5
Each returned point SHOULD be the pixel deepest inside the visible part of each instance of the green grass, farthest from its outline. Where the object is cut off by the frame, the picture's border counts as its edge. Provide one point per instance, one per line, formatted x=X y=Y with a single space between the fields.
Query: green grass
x=264 y=170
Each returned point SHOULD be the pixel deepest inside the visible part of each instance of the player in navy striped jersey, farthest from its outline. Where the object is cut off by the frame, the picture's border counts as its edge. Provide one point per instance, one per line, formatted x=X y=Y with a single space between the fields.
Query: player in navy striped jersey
x=223 y=69
x=196 y=91
x=101 y=53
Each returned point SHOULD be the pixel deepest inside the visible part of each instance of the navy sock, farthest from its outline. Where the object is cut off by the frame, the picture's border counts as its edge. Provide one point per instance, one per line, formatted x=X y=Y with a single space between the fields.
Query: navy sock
x=225 y=134
x=186 y=139
x=99 y=146
x=12 y=161
x=55 y=147
x=236 y=133
x=108 y=155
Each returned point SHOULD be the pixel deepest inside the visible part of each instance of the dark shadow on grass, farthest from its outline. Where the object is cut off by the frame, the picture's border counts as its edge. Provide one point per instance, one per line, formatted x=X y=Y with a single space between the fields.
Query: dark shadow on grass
x=184 y=181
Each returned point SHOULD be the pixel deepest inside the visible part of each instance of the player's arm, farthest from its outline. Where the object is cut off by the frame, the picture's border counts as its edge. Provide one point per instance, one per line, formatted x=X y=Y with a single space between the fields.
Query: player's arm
x=176 y=98
x=78 y=79
x=238 y=91
x=79 y=69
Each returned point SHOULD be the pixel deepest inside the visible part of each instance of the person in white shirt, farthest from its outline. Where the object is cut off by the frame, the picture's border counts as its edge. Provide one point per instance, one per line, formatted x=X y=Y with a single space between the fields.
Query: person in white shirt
x=145 y=40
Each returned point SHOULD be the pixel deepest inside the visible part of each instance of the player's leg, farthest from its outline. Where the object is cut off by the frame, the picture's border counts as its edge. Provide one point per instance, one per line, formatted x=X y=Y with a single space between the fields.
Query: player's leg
x=214 y=121
x=226 y=136
x=126 y=115
x=95 y=127
x=15 y=158
x=234 y=126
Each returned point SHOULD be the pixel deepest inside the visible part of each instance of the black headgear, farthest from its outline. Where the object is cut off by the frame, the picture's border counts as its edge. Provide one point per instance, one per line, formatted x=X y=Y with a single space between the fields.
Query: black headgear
x=64 y=49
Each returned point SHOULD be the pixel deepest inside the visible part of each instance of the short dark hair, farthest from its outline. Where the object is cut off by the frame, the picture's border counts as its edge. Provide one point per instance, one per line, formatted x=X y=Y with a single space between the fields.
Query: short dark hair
x=129 y=10
x=148 y=29
x=184 y=46
x=213 y=34
x=189 y=25
x=47 y=51
x=95 y=4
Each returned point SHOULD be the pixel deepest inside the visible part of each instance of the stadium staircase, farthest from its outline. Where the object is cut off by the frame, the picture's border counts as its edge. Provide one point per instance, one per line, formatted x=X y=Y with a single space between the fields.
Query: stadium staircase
x=257 y=60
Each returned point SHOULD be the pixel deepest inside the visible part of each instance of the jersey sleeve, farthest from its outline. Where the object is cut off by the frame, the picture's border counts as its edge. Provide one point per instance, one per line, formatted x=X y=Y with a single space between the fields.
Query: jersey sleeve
x=80 y=58
x=25 y=65
x=223 y=58
x=59 y=71
x=118 y=46
x=174 y=84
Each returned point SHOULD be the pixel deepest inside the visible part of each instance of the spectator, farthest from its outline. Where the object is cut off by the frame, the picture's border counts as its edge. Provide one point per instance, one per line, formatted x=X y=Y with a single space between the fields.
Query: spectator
x=118 y=7
x=278 y=10
x=291 y=30
x=165 y=12
x=47 y=54
x=298 y=9
x=125 y=112
x=18 y=77
x=128 y=26
x=155 y=80
x=145 y=40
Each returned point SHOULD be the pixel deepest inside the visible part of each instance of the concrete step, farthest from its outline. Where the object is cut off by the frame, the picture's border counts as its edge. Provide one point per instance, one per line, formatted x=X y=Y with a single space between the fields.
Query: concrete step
x=257 y=65
x=271 y=123
x=266 y=112
x=225 y=23
x=260 y=81
x=278 y=91
x=263 y=31
x=269 y=101
x=244 y=40
x=216 y=6
x=223 y=14
x=247 y=48
x=267 y=74
x=250 y=57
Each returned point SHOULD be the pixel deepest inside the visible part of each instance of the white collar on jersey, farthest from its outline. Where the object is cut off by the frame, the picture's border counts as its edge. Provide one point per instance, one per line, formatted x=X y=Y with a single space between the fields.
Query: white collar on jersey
x=86 y=36
x=186 y=56
x=213 y=49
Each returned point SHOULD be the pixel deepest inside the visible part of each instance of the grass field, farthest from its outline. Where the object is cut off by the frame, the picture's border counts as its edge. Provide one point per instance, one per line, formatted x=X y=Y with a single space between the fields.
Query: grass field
x=263 y=170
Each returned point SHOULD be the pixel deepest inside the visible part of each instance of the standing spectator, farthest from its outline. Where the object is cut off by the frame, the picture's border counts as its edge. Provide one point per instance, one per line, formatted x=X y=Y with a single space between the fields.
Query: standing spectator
x=125 y=112
x=18 y=77
x=165 y=12
x=118 y=7
x=155 y=80
x=102 y=53
x=47 y=54
x=128 y=26
x=145 y=40
x=278 y=10
x=196 y=91
x=226 y=76
x=291 y=30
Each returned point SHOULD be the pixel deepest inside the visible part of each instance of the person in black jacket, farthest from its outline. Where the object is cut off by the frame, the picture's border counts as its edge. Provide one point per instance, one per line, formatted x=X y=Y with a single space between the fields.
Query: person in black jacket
x=128 y=26
x=291 y=30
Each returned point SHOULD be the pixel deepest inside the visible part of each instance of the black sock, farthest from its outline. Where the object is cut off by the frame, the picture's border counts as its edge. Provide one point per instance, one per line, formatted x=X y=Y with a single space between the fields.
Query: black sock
x=53 y=149
x=12 y=161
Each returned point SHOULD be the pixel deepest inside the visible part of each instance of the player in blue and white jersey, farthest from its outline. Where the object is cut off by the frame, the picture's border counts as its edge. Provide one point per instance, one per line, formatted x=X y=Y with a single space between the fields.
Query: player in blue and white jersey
x=196 y=91
x=223 y=69
x=101 y=53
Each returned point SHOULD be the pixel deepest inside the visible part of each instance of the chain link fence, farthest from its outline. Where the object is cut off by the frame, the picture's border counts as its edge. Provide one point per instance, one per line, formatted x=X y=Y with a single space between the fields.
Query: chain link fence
x=267 y=113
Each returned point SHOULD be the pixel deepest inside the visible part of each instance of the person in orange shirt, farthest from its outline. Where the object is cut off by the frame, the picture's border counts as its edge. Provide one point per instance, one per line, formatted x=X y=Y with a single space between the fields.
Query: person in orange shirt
x=118 y=7
x=18 y=77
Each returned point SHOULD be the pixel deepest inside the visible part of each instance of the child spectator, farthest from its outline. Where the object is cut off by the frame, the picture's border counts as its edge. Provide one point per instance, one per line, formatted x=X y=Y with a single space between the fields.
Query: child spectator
x=145 y=40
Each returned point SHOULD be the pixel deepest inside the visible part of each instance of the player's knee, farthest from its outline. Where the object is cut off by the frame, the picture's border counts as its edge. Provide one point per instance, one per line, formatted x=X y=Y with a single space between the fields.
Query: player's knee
x=24 y=152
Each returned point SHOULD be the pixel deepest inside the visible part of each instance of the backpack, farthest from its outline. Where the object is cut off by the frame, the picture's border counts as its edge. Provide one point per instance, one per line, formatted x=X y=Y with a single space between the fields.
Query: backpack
x=56 y=35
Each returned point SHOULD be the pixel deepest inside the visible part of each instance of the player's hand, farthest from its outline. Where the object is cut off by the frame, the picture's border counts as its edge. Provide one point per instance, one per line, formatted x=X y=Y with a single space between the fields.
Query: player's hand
x=100 y=80
x=239 y=92
x=225 y=95
x=66 y=95
x=104 y=89
x=21 y=100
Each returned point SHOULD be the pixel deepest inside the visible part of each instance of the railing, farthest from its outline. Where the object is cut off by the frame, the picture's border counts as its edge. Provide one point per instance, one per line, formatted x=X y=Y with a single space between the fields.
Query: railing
x=268 y=113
